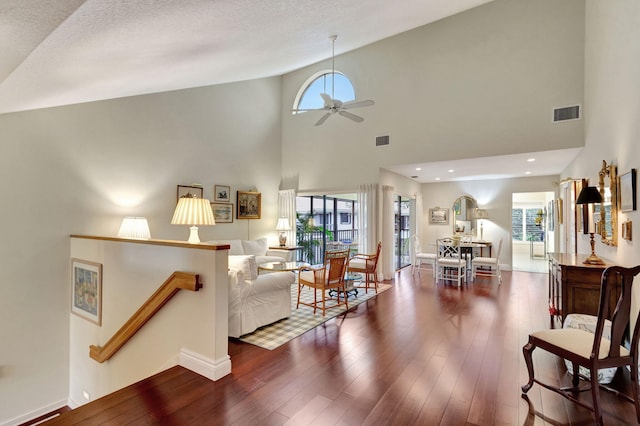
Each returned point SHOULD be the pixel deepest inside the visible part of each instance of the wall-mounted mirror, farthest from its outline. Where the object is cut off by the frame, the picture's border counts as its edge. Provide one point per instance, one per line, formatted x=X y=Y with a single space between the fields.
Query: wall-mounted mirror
x=608 y=209
x=464 y=221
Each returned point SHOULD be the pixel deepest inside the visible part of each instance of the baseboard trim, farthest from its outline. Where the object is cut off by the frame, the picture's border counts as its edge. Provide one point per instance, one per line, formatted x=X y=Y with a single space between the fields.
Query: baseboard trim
x=35 y=414
x=207 y=367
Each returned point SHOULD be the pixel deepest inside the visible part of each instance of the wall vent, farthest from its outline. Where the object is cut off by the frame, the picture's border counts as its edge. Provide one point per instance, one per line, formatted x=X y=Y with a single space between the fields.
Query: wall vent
x=382 y=140
x=566 y=113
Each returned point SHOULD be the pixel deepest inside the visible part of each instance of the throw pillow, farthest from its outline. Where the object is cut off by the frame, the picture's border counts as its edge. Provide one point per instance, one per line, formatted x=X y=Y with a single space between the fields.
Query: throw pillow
x=256 y=247
x=246 y=264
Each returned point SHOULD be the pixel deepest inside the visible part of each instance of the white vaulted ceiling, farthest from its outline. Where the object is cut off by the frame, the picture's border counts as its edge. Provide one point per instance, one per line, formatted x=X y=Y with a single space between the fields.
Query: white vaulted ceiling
x=59 y=52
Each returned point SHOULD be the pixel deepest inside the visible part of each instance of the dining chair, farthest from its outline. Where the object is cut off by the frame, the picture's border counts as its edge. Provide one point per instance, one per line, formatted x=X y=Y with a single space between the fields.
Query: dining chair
x=422 y=257
x=450 y=264
x=367 y=265
x=328 y=276
x=487 y=266
x=591 y=350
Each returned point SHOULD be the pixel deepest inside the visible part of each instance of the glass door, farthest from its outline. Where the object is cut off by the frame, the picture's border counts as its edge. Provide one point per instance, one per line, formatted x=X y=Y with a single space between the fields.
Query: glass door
x=402 y=232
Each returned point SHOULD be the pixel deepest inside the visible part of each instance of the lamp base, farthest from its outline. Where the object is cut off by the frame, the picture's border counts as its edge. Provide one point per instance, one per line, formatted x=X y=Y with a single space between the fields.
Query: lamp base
x=593 y=259
x=193 y=236
x=283 y=239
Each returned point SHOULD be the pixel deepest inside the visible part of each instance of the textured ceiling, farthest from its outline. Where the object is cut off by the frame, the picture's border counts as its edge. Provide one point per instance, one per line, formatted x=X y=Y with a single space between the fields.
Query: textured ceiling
x=64 y=52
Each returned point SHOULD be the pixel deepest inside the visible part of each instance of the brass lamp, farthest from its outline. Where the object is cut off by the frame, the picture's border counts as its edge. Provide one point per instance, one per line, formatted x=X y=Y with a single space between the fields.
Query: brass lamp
x=590 y=195
x=193 y=211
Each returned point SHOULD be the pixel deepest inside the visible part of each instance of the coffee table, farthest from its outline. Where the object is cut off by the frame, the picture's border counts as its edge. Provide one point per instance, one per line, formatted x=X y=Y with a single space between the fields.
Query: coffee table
x=281 y=266
x=349 y=279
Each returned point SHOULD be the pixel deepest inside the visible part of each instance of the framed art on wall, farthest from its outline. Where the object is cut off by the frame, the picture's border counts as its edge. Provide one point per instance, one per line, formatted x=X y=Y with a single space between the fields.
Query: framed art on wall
x=190 y=189
x=248 y=205
x=86 y=290
x=627 y=191
x=222 y=212
x=222 y=193
x=439 y=216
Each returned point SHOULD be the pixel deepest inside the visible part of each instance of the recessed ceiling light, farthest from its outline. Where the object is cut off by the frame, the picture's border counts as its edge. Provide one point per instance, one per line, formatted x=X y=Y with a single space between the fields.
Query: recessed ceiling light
x=437 y=178
x=527 y=173
x=531 y=160
x=451 y=170
x=418 y=168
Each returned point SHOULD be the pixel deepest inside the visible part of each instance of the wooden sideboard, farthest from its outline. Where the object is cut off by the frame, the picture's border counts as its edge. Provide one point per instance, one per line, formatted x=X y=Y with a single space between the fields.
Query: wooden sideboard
x=574 y=287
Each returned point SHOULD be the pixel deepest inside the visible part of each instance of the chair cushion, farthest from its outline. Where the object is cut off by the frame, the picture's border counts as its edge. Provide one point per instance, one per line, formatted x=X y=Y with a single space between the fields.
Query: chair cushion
x=485 y=260
x=449 y=261
x=256 y=247
x=246 y=264
x=577 y=341
x=425 y=256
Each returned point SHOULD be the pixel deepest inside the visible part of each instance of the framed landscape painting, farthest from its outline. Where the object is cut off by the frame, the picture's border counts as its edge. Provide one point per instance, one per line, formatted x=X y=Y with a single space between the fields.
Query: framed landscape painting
x=86 y=290
x=439 y=216
x=627 y=191
x=222 y=212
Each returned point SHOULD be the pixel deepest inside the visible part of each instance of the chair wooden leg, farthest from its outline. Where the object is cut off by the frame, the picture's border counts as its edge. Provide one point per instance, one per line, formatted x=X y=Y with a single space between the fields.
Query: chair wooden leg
x=635 y=387
x=527 y=351
x=300 y=286
x=595 y=393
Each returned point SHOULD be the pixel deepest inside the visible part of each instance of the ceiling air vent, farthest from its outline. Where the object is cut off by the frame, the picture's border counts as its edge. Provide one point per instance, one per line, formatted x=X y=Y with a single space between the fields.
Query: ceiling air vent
x=382 y=140
x=566 y=113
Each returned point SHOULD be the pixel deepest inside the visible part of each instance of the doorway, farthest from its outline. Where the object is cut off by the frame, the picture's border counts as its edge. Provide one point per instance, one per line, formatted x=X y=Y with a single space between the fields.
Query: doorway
x=532 y=233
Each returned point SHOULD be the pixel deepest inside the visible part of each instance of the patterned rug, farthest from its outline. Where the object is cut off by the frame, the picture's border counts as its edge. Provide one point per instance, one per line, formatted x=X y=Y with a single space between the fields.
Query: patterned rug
x=302 y=319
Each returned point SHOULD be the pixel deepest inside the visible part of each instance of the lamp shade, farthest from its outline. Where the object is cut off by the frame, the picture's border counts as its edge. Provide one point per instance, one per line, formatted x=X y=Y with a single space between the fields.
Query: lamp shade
x=283 y=224
x=136 y=228
x=589 y=195
x=193 y=211
x=481 y=214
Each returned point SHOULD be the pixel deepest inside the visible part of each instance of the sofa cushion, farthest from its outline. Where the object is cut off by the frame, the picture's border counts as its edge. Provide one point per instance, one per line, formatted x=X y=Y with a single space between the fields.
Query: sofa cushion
x=235 y=246
x=256 y=247
x=246 y=264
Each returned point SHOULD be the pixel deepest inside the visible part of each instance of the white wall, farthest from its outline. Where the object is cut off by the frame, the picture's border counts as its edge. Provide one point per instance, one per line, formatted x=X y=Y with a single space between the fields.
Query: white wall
x=79 y=170
x=493 y=195
x=480 y=83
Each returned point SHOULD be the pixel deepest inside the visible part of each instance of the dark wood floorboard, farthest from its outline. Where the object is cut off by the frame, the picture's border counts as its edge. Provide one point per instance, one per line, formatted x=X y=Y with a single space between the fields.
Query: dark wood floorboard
x=417 y=354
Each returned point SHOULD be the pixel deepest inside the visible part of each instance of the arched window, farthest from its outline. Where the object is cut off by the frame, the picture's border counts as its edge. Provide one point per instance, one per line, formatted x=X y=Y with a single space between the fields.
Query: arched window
x=309 y=94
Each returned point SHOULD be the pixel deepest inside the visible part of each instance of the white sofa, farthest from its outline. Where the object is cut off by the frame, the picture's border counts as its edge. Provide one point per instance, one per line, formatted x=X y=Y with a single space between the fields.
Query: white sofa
x=259 y=248
x=256 y=300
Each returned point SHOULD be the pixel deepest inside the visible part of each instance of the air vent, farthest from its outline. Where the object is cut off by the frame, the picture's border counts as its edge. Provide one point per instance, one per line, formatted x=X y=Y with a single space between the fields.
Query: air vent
x=382 y=140
x=566 y=113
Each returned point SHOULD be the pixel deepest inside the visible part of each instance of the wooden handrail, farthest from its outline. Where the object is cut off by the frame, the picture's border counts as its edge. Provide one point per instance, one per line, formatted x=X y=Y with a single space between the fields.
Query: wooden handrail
x=176 y=282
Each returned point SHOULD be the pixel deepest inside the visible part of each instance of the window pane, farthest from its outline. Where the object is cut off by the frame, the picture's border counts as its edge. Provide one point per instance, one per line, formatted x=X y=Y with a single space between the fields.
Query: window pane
x=311 y=96
x=535 y=232
x=516 y=225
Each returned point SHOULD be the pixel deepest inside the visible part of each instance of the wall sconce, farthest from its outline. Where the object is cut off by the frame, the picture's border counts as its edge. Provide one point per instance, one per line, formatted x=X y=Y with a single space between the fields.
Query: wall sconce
x=193 y=211
x=590 y=195
x=481 y=214
x=282 y=226
x=136 y=228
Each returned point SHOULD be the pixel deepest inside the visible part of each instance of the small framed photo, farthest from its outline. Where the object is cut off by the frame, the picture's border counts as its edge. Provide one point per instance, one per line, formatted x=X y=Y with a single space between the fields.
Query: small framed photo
x=222 y=212
x=222 y=193
x=627 y=185
x=189 y=189
x=439 y=216
x=86 y=290
x=248 y=205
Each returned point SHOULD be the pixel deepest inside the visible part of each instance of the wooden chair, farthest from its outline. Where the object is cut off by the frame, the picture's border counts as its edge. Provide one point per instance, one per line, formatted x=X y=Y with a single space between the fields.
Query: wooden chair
x=592 y=351
x=421 y=257
x=366 y=264
x=492 y=263
x=329 y=276
x=450 y=265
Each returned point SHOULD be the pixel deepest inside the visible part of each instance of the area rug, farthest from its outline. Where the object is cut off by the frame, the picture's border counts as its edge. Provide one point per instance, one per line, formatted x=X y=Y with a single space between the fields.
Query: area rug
x=302 y=319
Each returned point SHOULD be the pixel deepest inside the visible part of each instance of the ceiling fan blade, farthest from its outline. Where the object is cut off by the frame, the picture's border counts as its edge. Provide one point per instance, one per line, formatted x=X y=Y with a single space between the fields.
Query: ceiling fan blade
x=328 y=102
x=323 y=119
x=307 y=109
x=357 y=104
x=350 y=116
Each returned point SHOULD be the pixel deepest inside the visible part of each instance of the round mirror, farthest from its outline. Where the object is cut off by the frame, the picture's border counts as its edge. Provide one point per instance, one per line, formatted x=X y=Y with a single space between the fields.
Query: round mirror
x=464 y=221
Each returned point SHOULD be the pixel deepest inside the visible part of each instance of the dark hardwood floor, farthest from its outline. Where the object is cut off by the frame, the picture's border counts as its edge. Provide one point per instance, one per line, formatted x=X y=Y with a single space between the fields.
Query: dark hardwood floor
x=416 y=354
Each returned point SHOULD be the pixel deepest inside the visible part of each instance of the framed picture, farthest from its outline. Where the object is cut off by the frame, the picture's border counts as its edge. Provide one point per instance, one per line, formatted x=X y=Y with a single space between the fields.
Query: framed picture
x=248 y=205
x=221 y=193
x=627 y=191
x=189 y=189
x=439 y=216
x=86 y=290
x=222 y=212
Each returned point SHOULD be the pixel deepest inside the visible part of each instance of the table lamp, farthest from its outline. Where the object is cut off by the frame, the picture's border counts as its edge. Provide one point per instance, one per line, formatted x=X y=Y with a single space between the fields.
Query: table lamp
x=481 y=214
x=590 y=195
x=193 y=211
x=136 y=228
x=282 y=226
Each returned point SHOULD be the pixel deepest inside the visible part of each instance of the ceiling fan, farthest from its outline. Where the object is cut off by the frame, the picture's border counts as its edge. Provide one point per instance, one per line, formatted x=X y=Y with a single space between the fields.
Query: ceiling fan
x=333 y=105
